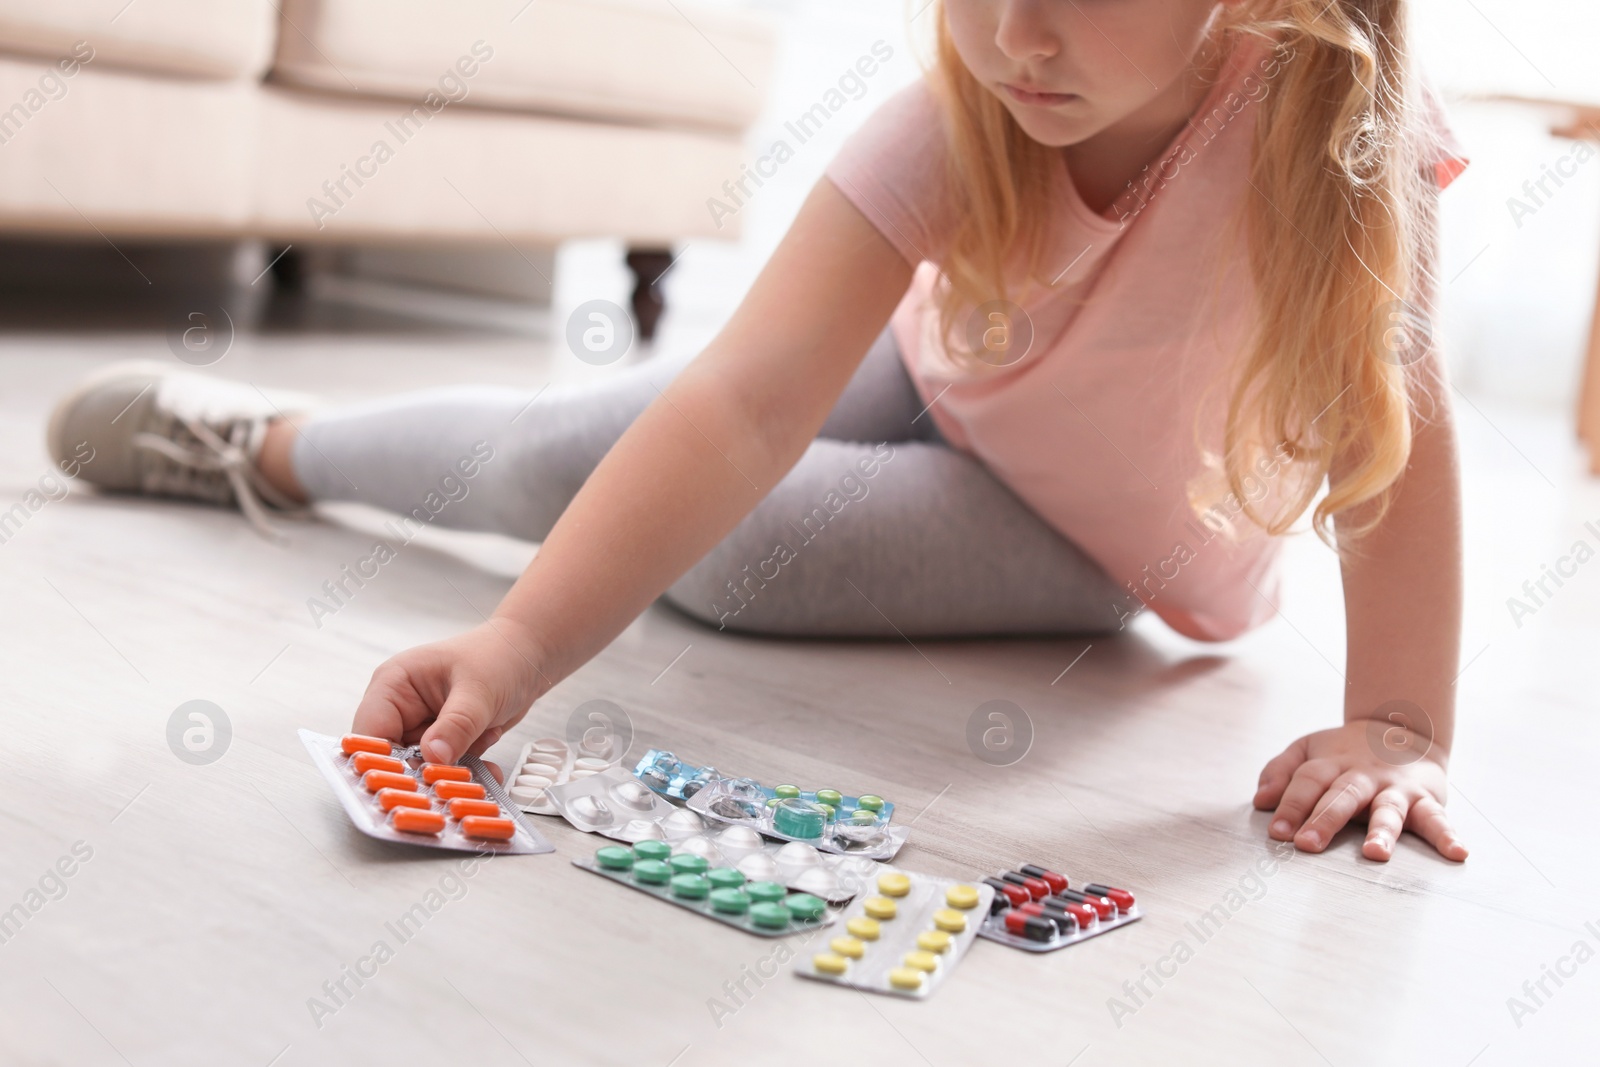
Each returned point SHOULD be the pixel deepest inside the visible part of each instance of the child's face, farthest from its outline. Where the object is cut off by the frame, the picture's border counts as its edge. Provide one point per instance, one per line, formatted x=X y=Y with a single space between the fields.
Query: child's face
x=1090 y=63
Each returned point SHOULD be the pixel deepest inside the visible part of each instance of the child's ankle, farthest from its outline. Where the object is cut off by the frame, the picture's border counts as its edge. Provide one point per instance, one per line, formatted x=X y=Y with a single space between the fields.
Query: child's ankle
x=274 y=459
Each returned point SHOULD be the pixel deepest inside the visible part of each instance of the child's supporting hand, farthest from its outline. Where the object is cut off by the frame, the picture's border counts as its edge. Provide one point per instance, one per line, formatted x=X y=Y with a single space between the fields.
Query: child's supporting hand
x=457 y=696
x=1334 y=775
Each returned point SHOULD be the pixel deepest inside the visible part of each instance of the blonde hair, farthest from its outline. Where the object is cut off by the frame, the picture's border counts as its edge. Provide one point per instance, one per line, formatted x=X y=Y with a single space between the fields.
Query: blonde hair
x=1337 y=222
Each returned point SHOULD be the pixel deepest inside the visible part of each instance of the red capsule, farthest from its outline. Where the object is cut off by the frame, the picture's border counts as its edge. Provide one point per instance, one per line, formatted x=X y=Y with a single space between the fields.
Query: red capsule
x=1032 y=927
x=1015 y=895
x=1102 y=905
x=1082 y=912
x=1056 y=882
x=1037 y=888
x=1065 y=924
x=1120 y=897
x=1068 y=924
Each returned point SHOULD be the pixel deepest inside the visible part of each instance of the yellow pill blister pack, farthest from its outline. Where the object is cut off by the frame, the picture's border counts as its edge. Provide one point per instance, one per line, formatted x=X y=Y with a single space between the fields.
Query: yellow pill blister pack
x=903 y=937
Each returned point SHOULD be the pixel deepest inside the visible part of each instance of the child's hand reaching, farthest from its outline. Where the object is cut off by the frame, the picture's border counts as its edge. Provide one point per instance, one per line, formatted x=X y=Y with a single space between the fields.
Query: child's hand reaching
x=456 y=696
x=1324 y=779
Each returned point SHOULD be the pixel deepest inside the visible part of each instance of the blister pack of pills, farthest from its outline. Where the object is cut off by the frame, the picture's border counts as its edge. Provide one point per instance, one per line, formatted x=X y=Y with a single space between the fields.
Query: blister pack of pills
x=849 y=826
x=666 y=774
x=765 y=908
x=390 y=793
x=906 y=938
x=611 y=802
x=617 y=805
x=546 y=762
x=1038 y=910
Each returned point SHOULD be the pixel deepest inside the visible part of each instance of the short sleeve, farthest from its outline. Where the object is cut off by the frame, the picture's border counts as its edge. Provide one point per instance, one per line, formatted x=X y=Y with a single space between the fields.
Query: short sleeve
x=892 y=170
x=1444 y=157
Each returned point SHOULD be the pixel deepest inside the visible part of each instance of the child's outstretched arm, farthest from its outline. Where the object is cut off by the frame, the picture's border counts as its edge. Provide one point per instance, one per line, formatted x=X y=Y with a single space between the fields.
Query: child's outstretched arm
x=689 y=469
x=1402 y=590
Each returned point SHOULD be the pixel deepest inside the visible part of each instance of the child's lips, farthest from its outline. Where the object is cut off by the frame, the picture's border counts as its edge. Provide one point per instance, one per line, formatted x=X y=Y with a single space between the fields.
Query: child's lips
x=1037 y=98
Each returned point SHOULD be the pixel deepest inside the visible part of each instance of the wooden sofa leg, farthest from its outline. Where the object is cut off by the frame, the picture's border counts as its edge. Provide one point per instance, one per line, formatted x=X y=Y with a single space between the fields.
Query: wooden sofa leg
x=648 y=265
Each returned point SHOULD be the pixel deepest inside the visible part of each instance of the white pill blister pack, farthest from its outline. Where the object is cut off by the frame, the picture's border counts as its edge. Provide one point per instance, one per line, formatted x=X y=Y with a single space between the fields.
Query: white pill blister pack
x=744 y=802
x=545 y=762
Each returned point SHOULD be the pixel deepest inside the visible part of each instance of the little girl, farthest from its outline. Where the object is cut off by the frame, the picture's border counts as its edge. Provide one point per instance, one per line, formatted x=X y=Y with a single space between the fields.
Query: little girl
x=1154 y=273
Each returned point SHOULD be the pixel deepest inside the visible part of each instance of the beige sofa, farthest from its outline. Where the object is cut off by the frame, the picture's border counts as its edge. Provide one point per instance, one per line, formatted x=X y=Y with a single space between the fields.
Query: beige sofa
x=374 y=121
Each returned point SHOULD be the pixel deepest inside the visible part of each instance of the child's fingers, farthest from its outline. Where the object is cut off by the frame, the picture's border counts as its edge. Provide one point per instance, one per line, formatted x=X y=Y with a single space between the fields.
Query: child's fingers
x=1385 y=820
x=483 y=744
x=1429 y=822
x=466 y=714
x=1276 y=774
x=390 y=706
x=1348 y=794
x=1310 y=781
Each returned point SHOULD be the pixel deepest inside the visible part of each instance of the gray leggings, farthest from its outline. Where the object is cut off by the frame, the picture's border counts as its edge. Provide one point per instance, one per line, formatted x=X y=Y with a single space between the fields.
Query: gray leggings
x=880 y=529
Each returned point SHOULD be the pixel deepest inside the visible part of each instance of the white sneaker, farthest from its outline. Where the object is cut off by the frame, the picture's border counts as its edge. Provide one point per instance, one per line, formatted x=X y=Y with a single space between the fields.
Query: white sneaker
x=145 y=427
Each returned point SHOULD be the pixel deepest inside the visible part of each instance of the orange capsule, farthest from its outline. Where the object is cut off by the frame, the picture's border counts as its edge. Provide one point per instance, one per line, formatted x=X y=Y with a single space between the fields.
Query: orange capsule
x=376 y=780
x=371 y=761
x=416 y=821
x=461 y=807
x=353 y=743
x=400 y=798
x=488 y=829
x=444 y=772
x=456 y=790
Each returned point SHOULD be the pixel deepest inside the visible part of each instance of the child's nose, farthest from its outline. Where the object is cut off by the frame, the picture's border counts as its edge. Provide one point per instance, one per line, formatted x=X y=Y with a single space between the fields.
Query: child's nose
x=1023 y=32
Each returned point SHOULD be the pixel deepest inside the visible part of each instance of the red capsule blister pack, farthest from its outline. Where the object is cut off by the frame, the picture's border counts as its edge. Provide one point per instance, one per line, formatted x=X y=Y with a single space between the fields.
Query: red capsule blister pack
x=392 y=794
x=1040 y=910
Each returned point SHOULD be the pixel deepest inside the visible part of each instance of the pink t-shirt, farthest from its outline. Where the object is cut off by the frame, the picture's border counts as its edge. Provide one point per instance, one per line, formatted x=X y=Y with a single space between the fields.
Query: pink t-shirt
x=1094 y=427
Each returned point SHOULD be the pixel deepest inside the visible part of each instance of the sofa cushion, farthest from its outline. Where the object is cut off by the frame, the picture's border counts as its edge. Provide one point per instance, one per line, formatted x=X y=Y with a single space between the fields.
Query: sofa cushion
x=662 y=61
x=123 y=153
x=115 y=154
x=192 y=38
x=340 y=169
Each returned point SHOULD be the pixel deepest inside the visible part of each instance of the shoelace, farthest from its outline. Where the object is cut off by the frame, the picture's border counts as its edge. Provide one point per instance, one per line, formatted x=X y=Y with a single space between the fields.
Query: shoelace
x=194 y=472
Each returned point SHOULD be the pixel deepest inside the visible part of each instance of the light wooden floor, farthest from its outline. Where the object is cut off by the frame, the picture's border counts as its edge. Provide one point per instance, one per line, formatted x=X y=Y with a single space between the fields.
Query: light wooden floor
x=220 y=898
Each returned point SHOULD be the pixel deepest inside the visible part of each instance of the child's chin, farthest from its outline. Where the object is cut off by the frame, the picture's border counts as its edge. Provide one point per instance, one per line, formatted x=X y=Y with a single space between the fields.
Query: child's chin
x=1052 y=129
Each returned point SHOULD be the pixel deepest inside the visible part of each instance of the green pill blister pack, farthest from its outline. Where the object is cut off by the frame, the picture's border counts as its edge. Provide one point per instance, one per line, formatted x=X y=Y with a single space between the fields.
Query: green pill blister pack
x=766 y=909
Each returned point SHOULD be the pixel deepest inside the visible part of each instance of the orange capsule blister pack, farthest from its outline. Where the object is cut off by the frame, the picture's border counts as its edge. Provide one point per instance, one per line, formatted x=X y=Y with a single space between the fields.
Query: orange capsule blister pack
x=392 y=794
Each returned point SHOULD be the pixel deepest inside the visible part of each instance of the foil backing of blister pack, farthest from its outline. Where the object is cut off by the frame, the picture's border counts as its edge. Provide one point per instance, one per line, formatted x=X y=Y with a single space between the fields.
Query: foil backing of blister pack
x=367 y=815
